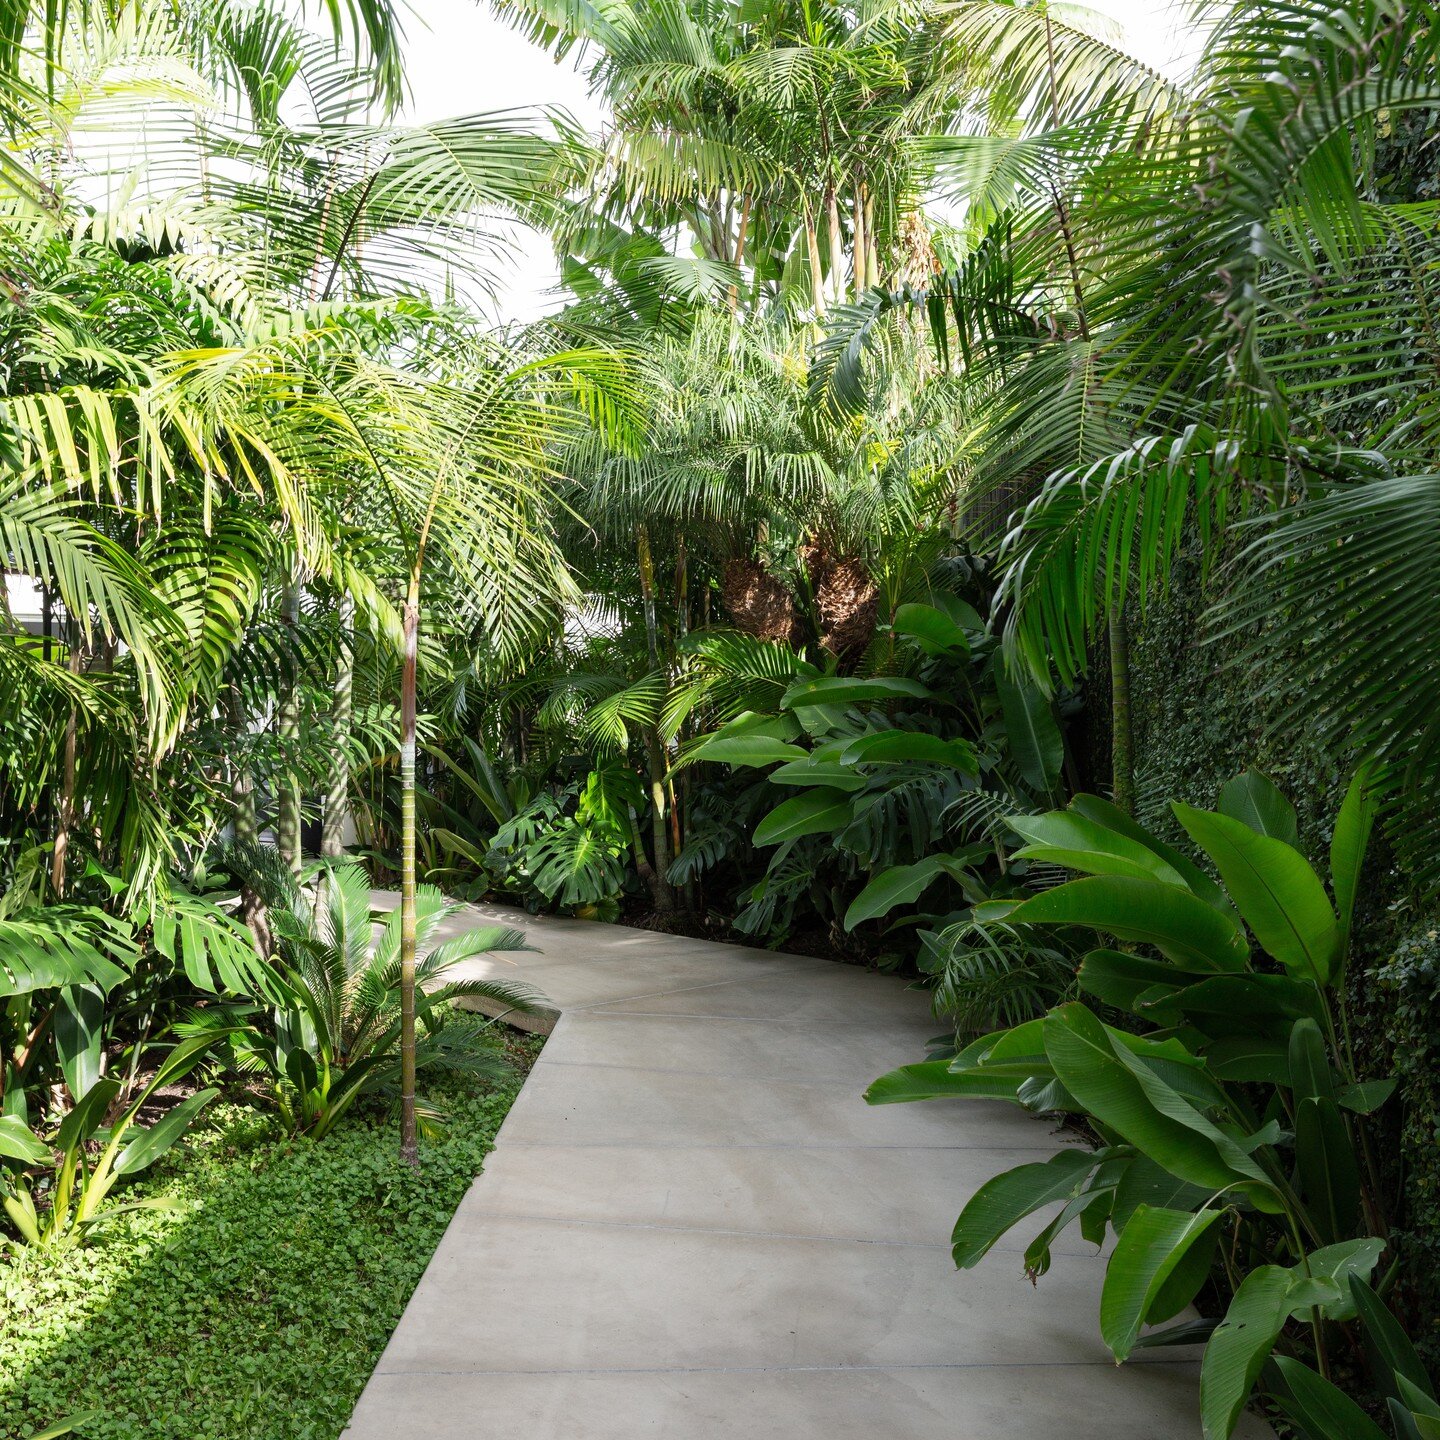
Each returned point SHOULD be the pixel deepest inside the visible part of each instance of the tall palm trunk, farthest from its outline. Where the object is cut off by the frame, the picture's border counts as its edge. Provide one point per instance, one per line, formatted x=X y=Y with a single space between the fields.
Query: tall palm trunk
x=660 y=888
x=739 y=256
x=65 y=819
x=253 y=911
x=287 y=821
x=817 y=271
x=1122 y=739
x=859 y=261
x=409 y=1146
x=337 y=797
x=872 y=250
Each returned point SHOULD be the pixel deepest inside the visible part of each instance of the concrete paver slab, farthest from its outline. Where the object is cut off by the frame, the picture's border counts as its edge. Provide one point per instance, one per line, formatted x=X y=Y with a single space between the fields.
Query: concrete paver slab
x=693 y=1227
x=982 y=1402
x=845 y=1192
x=617 y=1105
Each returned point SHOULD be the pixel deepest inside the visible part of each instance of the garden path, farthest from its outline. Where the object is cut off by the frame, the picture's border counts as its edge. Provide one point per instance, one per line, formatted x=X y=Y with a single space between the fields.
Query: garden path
x=694 y=1228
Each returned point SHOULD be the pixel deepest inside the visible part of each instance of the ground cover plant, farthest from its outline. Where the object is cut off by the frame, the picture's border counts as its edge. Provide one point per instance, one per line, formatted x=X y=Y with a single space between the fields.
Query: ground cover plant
x=258 y=1300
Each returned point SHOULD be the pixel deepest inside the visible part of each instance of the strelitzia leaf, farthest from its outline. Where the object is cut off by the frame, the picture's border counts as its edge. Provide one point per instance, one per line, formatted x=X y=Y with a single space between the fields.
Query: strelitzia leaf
x=1274 y=888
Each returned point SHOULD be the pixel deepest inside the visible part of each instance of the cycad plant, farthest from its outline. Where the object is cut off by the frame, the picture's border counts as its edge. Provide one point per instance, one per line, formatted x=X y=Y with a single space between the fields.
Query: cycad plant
x=336 y=1034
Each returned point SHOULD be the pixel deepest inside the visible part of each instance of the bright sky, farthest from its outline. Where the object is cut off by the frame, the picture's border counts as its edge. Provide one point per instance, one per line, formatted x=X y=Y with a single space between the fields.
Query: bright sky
x=462 y=60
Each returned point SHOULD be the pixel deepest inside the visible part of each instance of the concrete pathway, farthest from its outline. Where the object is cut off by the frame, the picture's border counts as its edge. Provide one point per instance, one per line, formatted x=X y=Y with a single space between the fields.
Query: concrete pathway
x=694 y=1228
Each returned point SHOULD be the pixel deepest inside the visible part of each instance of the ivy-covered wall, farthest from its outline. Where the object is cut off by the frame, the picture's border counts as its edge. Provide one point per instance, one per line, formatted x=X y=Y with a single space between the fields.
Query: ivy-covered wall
x=1197 y=723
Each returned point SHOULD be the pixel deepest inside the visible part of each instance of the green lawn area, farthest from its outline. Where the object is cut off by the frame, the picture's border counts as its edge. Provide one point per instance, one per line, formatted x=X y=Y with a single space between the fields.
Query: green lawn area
x=258 y=1304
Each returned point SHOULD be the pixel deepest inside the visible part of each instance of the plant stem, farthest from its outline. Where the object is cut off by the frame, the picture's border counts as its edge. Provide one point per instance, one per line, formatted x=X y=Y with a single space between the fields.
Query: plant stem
x=1122 y=740
x=409 y=1147
x=287 y=823
x=337 y=798
x=66 y=817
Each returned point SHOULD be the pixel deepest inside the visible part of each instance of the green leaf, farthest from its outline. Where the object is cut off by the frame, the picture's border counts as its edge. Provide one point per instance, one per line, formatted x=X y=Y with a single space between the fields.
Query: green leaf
x=1321 y=1409
x=68 y=1426
x=816 y=812
x=899 y=885
x=934 y=631
x=1309 y=1062
x=1256 y=802
x=751 y=749
x=935 y=1080
x=79 y=1031
x=1007 y=1199
x=1240 y=1346
x=818 y=772
x=1146 y=1183
x=841 y=690
x=1177 y=923
x=1323 y=1279
x=1365 y=1096
x=1120 y=1091
x=1349 y=843
x=911 y=746
x=19 y=1142
x=1277 y=893
x=1252 y=1059
x=149 y=1145
x=1267 y=1004
x=1388 y=1348
x=1106 y=813
x=1067 y=838
x=1329 y=1172
x=1030 y=726
x=84 y=1120
x=1152 y=1245
x=1120 y=979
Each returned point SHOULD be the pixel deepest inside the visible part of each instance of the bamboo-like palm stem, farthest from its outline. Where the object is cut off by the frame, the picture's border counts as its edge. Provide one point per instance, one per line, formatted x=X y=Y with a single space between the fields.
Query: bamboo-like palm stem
x=409 y=1142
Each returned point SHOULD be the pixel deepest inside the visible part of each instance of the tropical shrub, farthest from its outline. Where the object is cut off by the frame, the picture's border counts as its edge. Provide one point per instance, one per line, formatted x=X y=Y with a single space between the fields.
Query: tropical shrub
x=65 y=1172
x=334 y=1035
x=896 y=779
x=1230 y=1129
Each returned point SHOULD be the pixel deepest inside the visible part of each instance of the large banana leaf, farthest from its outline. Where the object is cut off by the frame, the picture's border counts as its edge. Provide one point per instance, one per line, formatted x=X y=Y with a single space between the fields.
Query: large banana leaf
x=1004 y=1201
x=1274 y=888
x=816 y=812
x=1162 y=1258
x=1176 y=922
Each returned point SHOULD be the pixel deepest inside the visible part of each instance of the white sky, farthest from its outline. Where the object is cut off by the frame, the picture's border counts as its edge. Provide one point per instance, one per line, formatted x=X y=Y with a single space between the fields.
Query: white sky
x=462 y=60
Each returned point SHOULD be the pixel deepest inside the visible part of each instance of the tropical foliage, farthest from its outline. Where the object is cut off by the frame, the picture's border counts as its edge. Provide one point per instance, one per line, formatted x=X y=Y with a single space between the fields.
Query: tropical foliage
x=811 y=576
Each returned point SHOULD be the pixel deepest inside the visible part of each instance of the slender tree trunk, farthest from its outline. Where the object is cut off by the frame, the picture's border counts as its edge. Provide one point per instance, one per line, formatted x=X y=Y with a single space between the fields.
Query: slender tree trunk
x=1122 y=743
x=740 y=238
x=253 y=912
x=837 y=243
x=647 y=594
x=660 y=887
x=65 y=819
x=872 y=250
x=337 y=798
x=861 y=244
x=817 y=271
x=643 y=868
x=654 y=749
x=409 y=1146
x=242 y=784
x=287 y=822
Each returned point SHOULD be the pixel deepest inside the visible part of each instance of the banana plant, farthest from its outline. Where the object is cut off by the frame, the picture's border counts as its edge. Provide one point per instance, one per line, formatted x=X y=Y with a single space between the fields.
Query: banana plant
x=1319 y=1409
x=1236 y=1114
x=77 y=1184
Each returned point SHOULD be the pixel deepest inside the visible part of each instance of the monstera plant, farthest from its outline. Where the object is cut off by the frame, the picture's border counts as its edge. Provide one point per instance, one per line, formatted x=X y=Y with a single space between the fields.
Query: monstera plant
x=1224 y=1097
